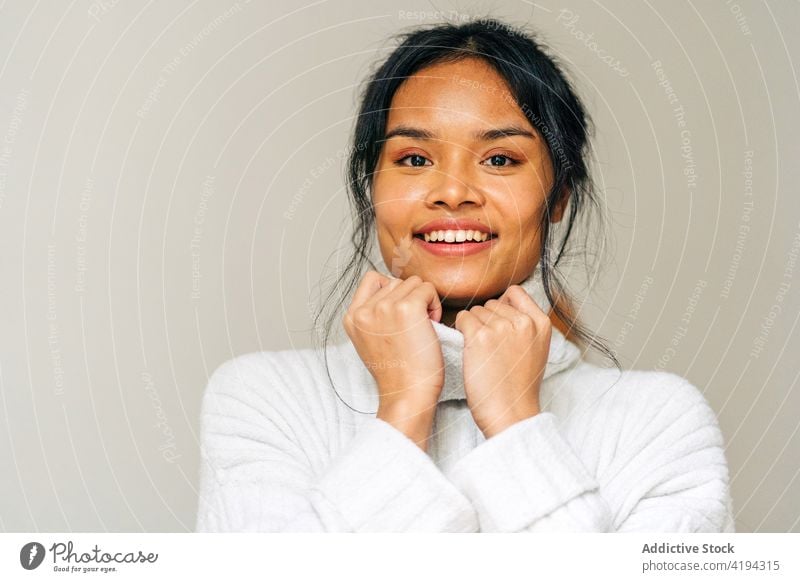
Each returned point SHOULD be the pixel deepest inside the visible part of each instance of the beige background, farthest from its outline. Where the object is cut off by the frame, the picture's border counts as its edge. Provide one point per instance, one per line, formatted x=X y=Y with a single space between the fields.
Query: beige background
x=171 y=188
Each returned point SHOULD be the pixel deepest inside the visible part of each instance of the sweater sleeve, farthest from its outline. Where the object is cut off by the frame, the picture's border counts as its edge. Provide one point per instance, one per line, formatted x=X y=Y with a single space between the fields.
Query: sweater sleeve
x=257 y=473
x=670 y=477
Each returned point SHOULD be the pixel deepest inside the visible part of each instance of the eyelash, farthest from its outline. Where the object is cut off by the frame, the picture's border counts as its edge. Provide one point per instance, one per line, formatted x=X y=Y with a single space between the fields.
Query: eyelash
x=511 y=161
x=400 y=161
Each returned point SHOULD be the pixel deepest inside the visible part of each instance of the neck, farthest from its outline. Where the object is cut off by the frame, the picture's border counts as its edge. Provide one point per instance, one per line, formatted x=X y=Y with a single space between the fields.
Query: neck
x=449 y=316
x=449 y=312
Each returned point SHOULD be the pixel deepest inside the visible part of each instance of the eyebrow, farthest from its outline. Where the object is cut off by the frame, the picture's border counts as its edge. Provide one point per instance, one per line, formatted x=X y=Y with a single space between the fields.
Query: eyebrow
x=483 y=135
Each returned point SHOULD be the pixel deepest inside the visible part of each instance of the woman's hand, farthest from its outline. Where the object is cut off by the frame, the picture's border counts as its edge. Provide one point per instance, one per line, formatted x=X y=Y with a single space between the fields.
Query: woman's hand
x=506 y=345
x=389 y=324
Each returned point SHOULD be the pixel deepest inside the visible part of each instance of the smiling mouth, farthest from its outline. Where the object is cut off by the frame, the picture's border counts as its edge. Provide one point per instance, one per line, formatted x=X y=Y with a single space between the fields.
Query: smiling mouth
x=455 y=237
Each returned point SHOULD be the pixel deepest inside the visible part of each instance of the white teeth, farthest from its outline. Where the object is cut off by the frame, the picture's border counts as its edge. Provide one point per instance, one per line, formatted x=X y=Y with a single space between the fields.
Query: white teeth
x=452 y=236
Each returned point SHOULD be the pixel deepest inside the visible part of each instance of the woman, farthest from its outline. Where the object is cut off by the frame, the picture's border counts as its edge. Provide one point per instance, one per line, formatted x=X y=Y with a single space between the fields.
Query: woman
x=457 y=405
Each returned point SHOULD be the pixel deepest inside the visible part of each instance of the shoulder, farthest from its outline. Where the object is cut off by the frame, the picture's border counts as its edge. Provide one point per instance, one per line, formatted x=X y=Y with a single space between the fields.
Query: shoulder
x=641 y=402
x=636 y=388
x=253 y=365
x=262 y=382
x=656 y=447
x=671 y=395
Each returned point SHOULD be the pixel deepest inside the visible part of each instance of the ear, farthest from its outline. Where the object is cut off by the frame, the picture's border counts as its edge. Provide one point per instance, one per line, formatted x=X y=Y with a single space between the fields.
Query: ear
x=558 y=211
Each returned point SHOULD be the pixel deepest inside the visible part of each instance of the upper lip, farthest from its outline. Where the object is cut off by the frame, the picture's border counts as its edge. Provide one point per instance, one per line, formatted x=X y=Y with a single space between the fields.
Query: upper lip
x=453 y=224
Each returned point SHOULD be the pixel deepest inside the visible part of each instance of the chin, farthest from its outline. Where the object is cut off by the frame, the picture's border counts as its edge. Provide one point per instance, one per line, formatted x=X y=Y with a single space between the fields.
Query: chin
x=463 y=293
x=458 y=283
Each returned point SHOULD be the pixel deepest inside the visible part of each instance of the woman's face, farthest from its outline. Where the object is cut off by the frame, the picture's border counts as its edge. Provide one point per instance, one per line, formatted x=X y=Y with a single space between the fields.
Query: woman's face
x=459 y=148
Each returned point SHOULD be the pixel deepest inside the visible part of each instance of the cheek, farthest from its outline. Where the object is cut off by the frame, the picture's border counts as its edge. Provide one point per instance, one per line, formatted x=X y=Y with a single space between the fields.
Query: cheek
x=519 y=204
x=385 y=227
x=395 y=200
x=383 y=188
x=392 y=187
x=394 y=217
x=393 y=214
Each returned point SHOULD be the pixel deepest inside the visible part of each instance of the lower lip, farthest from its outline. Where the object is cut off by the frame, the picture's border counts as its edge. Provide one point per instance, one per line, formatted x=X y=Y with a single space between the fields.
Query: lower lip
x=455 y=249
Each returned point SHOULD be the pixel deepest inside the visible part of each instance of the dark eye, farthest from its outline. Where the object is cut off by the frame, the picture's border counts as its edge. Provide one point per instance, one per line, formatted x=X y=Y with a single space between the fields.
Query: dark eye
x=414 y=160
x=499 y=161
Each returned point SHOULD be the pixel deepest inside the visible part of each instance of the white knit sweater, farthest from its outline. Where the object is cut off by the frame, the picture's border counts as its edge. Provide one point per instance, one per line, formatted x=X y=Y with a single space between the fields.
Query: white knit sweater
x=609 y=452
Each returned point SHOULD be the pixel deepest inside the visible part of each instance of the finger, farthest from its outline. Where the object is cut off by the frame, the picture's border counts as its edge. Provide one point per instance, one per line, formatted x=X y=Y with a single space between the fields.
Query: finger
x=513 y=315
x=519 y=299
x=371 y=283
x=391 y=284
x=491 y=318
x=410 y=285
x=406 y=286
x=427 y=294
x=507 y=311
x=482 y=314
x=467 y=323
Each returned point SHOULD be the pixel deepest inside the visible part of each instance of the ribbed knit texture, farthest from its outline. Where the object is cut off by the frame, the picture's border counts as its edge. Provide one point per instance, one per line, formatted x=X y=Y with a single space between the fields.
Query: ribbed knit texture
x=641 y=451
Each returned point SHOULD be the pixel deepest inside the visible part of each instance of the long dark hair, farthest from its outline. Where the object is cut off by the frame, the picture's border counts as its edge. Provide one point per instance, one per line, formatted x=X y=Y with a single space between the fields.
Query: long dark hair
x=544 y=95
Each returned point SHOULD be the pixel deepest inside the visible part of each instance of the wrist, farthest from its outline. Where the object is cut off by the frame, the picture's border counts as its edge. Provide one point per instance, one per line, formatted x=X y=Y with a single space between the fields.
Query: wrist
x=413 y=420
x=504 y=421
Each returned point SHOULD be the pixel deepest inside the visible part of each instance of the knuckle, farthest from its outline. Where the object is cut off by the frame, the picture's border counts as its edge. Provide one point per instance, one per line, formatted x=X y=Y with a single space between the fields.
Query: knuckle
x=360 y=317
x=503 y=326
x=484 y=335
x=524 y=322
x=545 y=331
x=404 y=308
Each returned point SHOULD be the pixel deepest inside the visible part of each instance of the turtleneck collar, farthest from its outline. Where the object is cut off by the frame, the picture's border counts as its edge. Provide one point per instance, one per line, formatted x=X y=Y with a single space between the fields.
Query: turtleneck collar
x=563 y=353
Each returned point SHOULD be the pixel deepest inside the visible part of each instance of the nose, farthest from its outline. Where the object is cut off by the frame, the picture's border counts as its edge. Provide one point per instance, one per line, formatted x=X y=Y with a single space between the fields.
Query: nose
x=453 y=187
